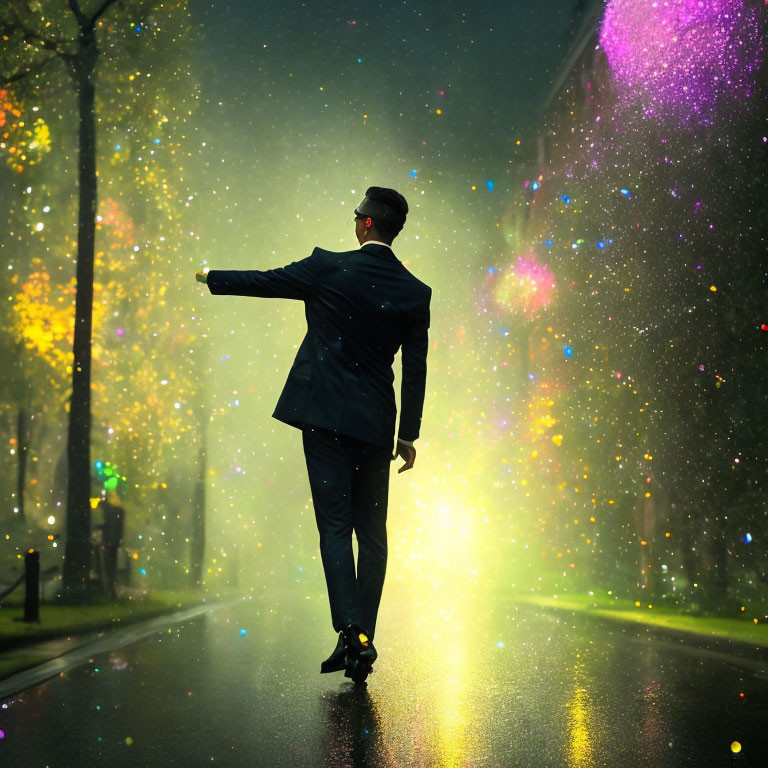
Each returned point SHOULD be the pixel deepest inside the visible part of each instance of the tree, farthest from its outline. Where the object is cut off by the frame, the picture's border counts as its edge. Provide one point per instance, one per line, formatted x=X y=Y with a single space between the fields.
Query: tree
x=34 y=51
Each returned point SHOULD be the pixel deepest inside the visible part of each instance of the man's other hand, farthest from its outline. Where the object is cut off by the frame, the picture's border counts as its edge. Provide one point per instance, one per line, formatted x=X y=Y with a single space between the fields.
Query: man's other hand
x=407 y=452
x=201 y=277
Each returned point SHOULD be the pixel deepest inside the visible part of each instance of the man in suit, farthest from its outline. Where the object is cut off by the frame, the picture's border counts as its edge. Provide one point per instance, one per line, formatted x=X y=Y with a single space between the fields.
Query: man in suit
x=361 y=306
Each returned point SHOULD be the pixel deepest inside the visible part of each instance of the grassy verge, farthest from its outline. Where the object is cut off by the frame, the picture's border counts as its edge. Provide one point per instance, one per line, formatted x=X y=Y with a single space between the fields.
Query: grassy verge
x=65 y=620
x=18 y=662
x=17 y=638
x=601 y=604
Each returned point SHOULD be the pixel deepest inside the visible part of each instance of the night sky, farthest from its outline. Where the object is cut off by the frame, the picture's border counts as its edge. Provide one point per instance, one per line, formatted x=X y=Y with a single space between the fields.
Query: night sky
x=305 y=102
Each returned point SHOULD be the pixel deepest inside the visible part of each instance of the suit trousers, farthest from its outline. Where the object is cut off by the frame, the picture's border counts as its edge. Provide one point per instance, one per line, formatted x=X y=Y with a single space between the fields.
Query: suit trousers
x=349 y=480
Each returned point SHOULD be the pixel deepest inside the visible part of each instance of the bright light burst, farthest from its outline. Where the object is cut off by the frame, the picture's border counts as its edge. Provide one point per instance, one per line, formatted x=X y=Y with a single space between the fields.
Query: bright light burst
x=682 y=56
x=525 y=287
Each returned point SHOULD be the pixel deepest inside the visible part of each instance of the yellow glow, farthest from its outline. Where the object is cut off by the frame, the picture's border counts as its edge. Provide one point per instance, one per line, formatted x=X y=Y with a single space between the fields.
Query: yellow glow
x=579 y=723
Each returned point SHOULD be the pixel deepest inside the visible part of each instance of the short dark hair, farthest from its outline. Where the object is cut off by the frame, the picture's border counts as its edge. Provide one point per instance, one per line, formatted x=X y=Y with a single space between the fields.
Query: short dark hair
x=394 y=200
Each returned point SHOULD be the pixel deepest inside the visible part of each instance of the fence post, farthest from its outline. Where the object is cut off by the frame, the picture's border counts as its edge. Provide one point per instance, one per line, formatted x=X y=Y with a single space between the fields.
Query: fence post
x=32 y=584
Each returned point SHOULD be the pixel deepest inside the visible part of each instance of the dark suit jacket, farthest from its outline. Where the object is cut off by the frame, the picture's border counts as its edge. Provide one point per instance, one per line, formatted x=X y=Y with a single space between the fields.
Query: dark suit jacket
x=361 y=307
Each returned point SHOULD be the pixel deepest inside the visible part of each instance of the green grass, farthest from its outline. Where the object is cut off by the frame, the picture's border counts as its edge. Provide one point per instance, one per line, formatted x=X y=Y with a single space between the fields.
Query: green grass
x=65 y=620
x=742 y=629
x=61 y=621
x=17 y=663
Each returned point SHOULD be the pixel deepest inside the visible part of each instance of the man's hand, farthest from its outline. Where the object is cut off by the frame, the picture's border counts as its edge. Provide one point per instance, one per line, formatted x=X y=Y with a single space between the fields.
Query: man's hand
x=201 y=277
x=407 y=452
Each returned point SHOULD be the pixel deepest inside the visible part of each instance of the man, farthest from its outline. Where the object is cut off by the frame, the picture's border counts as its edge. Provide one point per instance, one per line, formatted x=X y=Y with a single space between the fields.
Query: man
x=361 y=306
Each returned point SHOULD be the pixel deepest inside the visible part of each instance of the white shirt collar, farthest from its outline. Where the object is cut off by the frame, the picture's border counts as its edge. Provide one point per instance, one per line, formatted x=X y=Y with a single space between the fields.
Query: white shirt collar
x=376 y=242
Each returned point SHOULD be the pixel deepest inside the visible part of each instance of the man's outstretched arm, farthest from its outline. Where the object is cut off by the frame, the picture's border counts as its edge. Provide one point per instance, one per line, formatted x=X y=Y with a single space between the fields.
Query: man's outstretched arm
x=294 y=281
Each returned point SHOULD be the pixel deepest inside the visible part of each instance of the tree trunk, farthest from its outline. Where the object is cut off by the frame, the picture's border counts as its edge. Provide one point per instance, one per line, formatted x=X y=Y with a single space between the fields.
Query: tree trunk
x=22 y=447
x=647 y=528
x=197 y=534
x=77 y=563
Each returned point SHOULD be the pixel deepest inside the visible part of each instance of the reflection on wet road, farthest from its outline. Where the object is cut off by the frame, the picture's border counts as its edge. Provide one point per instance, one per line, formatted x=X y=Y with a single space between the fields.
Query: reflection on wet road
x=486 y=683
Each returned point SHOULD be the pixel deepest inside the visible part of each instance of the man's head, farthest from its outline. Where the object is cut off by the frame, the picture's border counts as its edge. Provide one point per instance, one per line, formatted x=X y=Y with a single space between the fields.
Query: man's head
x=380 y=216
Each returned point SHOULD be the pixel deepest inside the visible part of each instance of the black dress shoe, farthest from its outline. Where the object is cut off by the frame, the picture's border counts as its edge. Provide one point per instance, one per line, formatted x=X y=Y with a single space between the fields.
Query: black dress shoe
x=337 y=660
x=360 y=652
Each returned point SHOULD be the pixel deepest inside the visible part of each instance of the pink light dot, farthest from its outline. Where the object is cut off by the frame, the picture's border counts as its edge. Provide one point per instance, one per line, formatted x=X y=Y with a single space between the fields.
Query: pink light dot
x=120 y=331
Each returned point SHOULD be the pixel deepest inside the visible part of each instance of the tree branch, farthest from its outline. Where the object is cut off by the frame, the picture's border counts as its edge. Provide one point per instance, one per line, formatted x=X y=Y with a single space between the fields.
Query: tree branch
x=30 y=38
x=82 y=19
x=29 y=32
x=26 y=71
x=101 y=10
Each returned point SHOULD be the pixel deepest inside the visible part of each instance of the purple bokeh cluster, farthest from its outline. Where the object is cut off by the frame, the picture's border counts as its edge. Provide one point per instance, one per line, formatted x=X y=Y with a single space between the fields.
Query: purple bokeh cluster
x=682 y=57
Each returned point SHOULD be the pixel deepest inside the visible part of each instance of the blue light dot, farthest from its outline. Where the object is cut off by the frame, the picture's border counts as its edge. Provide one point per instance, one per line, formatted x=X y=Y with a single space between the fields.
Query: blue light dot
x=117 y=147
x=143 y=571
x=359 y=61
x=747 y=538
x=413 y=173
x=242 y=633
x=568 y=351
x=489 y=184
x=157 y=141
x=625 y=192
x=500 y=644
x=566 y=199
x=491 y=270
x=600 y=244
x=549 y=243
x=535 y=185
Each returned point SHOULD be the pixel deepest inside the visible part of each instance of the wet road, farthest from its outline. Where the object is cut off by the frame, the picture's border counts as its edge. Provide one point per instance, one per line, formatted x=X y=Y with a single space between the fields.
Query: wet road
x=512 y=686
